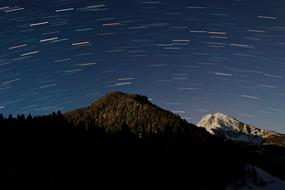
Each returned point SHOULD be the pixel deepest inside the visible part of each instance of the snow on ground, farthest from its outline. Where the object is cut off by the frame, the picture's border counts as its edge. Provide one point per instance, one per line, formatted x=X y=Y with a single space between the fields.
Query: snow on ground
x=271 y=183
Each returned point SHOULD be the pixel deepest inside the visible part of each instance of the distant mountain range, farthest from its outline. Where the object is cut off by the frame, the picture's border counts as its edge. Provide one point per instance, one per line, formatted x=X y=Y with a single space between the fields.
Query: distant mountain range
x=231 y=129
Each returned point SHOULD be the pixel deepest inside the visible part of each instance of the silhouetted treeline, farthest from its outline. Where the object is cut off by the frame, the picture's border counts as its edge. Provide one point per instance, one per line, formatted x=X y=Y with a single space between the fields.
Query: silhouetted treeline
x=50 y=148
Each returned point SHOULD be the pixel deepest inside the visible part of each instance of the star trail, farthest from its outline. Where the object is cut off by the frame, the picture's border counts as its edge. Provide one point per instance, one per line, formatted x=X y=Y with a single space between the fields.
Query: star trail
x=191 y=57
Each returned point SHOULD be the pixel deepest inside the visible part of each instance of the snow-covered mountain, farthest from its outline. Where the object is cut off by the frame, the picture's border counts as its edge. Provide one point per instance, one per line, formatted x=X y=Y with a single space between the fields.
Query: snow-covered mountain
x=230 y=128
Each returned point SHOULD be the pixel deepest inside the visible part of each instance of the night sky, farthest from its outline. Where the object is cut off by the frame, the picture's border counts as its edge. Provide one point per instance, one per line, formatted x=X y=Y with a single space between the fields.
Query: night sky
x=191 y=57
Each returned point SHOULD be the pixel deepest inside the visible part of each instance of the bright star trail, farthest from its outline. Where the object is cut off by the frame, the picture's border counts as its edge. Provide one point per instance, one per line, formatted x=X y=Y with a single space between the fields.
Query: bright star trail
x=191 y=57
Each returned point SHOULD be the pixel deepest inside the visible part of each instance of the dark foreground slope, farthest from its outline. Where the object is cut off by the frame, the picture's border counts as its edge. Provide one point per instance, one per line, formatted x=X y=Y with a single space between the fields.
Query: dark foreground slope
x=120 y=139
x=154 y=144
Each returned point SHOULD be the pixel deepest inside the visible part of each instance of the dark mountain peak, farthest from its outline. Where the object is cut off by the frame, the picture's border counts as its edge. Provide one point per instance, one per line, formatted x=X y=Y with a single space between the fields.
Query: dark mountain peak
x=117 y=110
